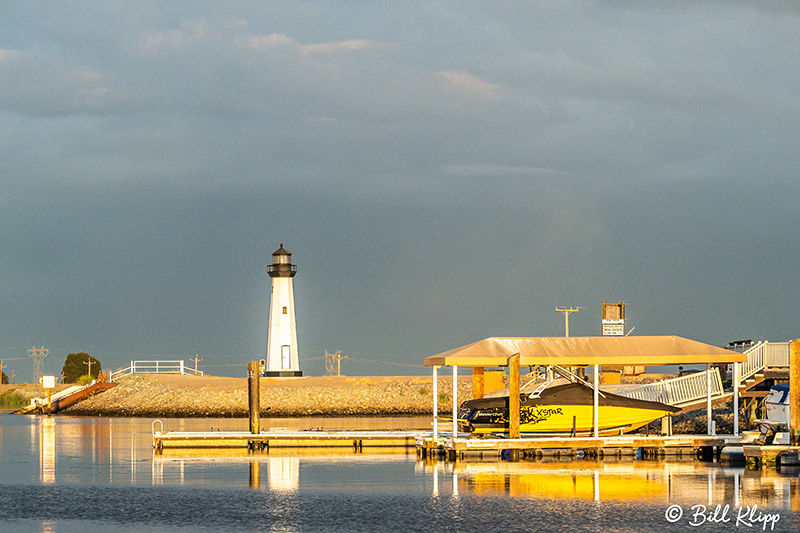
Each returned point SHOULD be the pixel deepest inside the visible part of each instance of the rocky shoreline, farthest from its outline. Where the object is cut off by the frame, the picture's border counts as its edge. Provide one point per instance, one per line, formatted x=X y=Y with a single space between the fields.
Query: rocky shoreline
x=190 y=396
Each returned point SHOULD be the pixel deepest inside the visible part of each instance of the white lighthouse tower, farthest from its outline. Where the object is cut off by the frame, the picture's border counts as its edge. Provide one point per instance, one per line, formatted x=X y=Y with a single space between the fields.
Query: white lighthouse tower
x=282 y=360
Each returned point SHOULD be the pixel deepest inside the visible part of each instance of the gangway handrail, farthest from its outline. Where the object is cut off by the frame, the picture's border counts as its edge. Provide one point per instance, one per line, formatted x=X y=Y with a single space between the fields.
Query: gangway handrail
x=763 y=355
x=680 y=390
x=177 y=366
x=755 y=362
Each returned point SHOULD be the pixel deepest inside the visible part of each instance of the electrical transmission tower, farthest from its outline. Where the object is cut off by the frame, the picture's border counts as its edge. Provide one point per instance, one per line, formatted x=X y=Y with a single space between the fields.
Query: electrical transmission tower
x=333 y=363
x=38 y=355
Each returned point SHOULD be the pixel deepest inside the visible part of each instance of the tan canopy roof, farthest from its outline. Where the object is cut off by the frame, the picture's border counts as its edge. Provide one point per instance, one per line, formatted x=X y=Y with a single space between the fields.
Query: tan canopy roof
x=571 y=351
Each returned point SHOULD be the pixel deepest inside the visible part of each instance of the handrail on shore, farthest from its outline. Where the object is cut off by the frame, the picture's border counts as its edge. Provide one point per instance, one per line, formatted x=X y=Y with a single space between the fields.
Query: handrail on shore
x=155 y=367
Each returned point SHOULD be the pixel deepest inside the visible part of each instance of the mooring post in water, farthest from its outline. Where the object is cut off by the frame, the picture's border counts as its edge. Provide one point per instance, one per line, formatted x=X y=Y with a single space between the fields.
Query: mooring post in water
x=513 y=396
x=254 y=395
x=794 y=392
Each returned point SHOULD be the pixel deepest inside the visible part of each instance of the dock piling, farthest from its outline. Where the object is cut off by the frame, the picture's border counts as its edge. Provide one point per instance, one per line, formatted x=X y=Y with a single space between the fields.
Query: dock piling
x=254 y=395
x=794 y=392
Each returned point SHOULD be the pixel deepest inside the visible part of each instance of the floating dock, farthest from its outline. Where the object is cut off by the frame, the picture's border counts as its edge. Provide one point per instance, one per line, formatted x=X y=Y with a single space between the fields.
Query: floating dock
x=355 y=440
x=771 y=456
x=701 y=446
x=448 y=448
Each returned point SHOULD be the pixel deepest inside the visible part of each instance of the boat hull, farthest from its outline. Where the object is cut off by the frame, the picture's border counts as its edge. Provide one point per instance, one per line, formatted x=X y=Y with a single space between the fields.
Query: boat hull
x=567 y=410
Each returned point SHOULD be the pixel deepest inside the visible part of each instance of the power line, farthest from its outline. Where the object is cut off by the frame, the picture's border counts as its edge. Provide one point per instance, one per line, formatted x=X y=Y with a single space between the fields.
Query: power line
x=386 y=362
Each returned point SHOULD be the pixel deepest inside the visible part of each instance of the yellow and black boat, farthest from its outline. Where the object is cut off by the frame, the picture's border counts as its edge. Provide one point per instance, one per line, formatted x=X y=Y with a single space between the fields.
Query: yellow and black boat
x=561 y=410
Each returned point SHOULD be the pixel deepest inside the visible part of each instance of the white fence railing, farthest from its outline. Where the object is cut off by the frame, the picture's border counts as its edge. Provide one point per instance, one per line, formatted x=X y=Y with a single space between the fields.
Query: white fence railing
x=678 y=391
x=155 y=367
x=776 y=354
x=764 y=355
x=755 y=361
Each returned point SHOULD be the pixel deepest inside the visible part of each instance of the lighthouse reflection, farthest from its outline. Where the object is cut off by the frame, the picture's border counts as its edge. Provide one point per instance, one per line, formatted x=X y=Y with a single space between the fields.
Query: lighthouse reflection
x=283 y=473
x=47 y=450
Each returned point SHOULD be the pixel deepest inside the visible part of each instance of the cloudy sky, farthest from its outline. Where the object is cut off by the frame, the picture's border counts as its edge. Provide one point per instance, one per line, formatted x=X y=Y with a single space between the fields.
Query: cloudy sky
x=441 y=172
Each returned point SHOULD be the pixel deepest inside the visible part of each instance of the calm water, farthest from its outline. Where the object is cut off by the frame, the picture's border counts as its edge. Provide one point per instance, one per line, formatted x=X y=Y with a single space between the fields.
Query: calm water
x=68 y=474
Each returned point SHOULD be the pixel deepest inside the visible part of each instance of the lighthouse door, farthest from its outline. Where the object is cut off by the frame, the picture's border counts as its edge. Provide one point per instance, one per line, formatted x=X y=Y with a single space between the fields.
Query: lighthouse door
x=286 y=357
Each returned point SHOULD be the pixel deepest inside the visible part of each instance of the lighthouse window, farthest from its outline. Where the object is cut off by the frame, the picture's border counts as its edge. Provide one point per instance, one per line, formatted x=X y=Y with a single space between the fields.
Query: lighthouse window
x=285 y=310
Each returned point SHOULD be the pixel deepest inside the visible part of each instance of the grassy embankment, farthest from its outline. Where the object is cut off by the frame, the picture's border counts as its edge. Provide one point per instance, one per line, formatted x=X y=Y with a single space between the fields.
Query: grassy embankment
x=12 y=400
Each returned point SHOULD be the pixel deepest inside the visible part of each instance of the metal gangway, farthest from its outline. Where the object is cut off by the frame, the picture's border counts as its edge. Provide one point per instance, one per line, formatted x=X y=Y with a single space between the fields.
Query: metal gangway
x=155 y=367
x=686 y=390
x=679 y=391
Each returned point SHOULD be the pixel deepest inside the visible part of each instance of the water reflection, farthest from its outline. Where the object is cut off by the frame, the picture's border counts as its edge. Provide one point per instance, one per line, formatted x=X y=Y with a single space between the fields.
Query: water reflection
x=691 y=482
x=283 y=473
x=47 y=450
x=255 y=474
x=65 y=450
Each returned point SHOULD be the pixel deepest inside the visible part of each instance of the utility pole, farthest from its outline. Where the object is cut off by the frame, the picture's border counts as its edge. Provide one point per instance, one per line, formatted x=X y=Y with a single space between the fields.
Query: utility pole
x=196 y=360
x=2 y=366
x=329 y=360
x=38 y=355
x=567 y=311
x=13 y=375
x=89 y=362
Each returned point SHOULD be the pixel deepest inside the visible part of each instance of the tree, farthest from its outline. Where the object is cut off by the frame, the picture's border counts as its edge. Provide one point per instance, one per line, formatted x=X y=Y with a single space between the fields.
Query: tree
x=76 y=366
x=4 y=379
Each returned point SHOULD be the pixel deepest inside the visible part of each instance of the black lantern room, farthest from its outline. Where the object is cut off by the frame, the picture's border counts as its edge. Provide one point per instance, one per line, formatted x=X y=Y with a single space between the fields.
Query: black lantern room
x=281 y=266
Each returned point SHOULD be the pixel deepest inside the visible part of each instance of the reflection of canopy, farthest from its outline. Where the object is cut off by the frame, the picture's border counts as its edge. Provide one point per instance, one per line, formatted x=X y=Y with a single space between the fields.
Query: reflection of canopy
x=571 y=351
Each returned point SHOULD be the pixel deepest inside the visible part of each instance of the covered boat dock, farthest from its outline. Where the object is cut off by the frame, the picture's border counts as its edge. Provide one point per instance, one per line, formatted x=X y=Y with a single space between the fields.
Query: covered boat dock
x=514 y=352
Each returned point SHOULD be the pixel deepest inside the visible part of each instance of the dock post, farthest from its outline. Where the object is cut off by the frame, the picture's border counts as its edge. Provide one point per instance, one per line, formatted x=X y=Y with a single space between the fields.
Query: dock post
x=709 y=425
x=596 y=402
x=794 y=393
x=477 y=382
x=736 y=380
x=435 y=402
x=254 y=395
x=455 y=403
x=513 y=396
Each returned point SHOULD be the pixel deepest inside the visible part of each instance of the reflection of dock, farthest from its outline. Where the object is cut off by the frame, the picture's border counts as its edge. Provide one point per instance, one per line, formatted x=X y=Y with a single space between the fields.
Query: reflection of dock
x=653 y=446
x=691 y=482
x=354 y=440
x=771 y=456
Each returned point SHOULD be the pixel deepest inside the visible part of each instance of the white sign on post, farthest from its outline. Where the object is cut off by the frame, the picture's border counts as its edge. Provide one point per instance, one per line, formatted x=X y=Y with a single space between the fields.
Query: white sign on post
x=49 y=382
x=613 y=328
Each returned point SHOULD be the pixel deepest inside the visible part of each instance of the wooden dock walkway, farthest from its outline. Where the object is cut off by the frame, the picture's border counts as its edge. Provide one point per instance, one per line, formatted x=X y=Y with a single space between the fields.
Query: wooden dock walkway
x=651 y=446
x=356 y=440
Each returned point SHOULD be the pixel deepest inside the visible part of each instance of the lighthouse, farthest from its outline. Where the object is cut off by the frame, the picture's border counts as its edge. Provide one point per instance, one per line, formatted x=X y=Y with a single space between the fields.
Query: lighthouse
x=282 y=360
